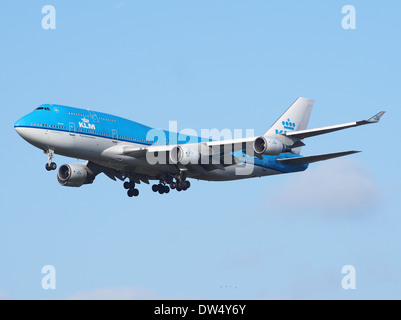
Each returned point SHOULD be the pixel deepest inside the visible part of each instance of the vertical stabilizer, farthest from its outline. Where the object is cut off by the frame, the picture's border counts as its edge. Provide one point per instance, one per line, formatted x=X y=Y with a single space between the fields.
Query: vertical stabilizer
x=294 y=119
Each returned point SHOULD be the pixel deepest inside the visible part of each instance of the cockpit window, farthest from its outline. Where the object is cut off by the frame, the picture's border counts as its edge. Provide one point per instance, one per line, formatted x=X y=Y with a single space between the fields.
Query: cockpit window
x=43 y=108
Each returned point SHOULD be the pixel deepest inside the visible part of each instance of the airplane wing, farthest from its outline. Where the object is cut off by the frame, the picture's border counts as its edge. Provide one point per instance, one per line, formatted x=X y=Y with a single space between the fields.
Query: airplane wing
x=218 y=151
x=300 y=135
x=96 y=169
x=246 y=144
x=138 y=153
x=215 y=147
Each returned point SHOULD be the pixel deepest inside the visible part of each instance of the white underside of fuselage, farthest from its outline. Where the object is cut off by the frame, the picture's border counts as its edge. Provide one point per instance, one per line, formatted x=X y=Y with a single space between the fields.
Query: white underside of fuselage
x=105 y=151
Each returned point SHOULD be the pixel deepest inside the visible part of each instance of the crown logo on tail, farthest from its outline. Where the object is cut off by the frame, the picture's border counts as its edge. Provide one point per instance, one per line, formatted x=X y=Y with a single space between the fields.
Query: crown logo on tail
x=289 y=125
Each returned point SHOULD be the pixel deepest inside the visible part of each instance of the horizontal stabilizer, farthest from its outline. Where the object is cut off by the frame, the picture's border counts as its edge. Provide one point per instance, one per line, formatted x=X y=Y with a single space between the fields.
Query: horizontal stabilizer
x=311 y=159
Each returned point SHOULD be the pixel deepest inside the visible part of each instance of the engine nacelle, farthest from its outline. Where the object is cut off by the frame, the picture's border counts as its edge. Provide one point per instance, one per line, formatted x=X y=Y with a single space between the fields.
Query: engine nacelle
x=268 y=146
x=185 y=154
x=74 y=175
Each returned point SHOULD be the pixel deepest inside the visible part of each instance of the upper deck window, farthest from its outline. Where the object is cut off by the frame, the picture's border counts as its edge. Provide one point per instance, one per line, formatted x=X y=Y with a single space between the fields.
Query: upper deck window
x=79 y=114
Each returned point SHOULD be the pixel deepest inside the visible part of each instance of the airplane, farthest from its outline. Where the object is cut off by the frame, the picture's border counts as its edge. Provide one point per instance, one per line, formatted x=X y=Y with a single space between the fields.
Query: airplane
x=135 y=153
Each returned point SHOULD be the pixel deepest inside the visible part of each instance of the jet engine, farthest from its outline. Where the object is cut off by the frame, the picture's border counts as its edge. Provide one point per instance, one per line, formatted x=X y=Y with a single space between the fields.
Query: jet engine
x=74 y=175
x=187 y=154
x=268 y=146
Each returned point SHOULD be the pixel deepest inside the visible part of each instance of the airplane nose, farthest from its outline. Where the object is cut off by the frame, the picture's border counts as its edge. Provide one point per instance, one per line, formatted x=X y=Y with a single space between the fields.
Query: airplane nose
x=20 y=131
x=20 y=125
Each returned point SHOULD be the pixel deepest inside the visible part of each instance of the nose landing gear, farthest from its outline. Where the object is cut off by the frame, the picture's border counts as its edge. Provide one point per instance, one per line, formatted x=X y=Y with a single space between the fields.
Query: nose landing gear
x=50 y=165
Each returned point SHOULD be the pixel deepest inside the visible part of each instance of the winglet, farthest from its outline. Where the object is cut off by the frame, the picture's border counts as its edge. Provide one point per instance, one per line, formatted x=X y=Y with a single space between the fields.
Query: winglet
x=376 y=118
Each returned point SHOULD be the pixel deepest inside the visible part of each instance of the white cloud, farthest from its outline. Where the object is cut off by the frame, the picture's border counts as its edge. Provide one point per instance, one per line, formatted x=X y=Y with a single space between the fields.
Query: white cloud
x=342 y=186
x=115 y=293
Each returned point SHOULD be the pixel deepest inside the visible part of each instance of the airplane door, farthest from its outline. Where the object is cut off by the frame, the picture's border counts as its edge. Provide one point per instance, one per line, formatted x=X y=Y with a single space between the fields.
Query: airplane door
x=94 y=117
x=72 y=128
x=115 y=135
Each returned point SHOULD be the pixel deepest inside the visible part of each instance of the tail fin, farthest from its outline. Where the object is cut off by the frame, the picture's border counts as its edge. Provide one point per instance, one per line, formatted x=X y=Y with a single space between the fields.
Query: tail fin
x=294 y=119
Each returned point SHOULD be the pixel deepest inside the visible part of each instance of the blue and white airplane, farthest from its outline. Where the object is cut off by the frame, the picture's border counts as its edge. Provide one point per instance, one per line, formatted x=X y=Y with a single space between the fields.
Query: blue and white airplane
x=135 y=153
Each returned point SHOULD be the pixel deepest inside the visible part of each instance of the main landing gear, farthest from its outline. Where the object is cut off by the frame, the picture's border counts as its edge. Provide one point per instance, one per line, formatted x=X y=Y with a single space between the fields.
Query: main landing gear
x=130 y=186
x=166 y=183
x=180 y=184
x=162 y=188
x=50 y=165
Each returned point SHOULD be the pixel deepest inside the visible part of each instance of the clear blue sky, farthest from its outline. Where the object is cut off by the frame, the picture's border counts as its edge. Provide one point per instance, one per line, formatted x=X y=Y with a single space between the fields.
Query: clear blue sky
x=207 y=64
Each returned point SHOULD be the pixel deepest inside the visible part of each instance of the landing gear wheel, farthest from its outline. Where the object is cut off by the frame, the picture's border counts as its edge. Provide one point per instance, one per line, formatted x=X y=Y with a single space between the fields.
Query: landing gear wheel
x=127 y=185
x=51 y=166
x=155 y=188
x=173 y=185
x=166 y=189
x=161 y=190
x=187 y=184
x=133 y=193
